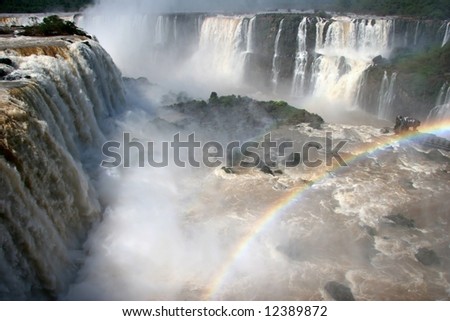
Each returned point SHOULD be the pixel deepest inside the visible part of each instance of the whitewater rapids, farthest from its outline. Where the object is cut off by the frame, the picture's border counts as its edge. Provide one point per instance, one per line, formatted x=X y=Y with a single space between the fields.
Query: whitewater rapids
x=173 y=234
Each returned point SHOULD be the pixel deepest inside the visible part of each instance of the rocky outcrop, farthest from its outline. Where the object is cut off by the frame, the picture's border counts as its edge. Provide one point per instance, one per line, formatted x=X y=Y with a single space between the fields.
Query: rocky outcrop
x=339 y=292
x=419 y=78
x=400 y=220
x=427 y=257
x=241 y=117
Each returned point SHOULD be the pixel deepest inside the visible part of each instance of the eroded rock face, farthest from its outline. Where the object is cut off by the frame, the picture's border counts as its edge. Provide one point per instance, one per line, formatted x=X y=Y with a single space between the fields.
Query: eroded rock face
x=48 y=124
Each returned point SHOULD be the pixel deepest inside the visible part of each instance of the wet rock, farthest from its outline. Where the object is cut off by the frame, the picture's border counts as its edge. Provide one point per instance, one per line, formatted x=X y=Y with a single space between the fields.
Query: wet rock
x=267 y=170
x=3 y=73
x=228 y=170
x=13 y=77
x=343 y=67
x=6 y=61
x=385 y=130
x=400 y=220
x=339 y=292
x=370 y=230
x=427 y=257
x=278 y=171
x=316 y=125
x=379 y=60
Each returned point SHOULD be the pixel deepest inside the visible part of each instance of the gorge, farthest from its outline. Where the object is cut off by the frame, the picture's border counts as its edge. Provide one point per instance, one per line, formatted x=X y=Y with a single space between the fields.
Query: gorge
x=72 y=230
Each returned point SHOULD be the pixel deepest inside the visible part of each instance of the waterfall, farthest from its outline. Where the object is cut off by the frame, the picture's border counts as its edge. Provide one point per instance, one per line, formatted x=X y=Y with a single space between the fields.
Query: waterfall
x=175 y=26
x=324 y=57
x=361 y=38
x=276 y=55
x=439 y=113
x=446 y=35
x=345 y=49
x=221 y=46
x=442 y=109
x=301 y=60
x=251 y=36
x=416 y=33
x=51 y=128
x=386 y=96
x=161 y=30
x=443 y=96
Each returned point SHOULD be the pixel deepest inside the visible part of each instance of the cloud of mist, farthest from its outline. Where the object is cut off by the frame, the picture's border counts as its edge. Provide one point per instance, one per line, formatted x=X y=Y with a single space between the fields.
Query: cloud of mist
x=164 y=6
x=129 y=32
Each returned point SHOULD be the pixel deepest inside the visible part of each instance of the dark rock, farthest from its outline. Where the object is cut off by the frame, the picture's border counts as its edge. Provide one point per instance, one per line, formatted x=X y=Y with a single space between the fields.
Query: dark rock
x=427 y=257
x=6 y=61
x=278 y=171
x=316 y=125
x=399 y=219
x=12 y=77
x=339 y=292
x=370 y=230
x=3 y=73
x=343 y=67
x=379 y=60
x=385 y=130
x=228 y=170
x=267 y=170
x=213 y=97
x=6 y=31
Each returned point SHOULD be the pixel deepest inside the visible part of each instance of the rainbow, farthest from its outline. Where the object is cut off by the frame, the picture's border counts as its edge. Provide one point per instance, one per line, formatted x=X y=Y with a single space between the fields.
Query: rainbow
x=276 y=210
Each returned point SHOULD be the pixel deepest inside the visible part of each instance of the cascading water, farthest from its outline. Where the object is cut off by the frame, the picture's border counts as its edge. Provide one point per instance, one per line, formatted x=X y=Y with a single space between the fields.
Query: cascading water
x=320 y=226
x=328 y=61
x=251 y=36
x=387 y=96
x=221 y=47
x=444 y=95
x=446 y=35
x=441 y=111
x=51 y=119
x=301 y=60
x=275 y=60
x=345 y=52
x=161 y=30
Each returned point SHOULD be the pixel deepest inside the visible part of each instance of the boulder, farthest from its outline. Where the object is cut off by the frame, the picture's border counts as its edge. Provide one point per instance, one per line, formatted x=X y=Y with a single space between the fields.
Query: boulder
x=228 y=170
x=399 y=219
x=339 y=292
x=316 y=124
x=267 y=170
x=6 y=61
x=379 y=60
x=427 y=257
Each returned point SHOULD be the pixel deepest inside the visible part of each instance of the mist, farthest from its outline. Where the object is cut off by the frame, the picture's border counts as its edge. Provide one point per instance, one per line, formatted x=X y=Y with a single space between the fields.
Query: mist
x=193 y=234
x=235 y=6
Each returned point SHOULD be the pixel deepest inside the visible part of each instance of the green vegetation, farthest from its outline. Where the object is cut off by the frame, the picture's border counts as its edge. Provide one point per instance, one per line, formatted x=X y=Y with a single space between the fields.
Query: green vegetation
x=30 y=6
x=280 y=112
x=426 y=72
x=53 y=26
x=436 y=9
x=420 y=77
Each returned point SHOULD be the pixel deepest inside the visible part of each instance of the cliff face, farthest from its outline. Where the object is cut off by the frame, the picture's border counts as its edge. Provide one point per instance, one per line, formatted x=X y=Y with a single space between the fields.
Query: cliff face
x=286 y=55
x=418 y=82
x=56 y=95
